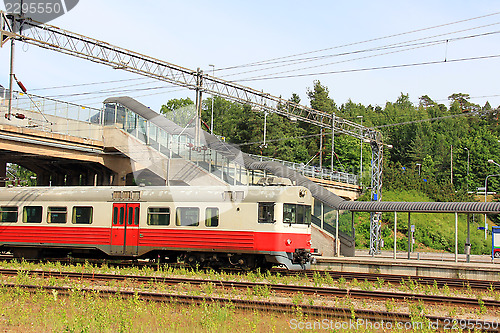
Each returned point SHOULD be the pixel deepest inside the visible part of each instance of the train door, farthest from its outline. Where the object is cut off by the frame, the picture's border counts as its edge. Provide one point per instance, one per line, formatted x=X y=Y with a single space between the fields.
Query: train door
x=125 y=229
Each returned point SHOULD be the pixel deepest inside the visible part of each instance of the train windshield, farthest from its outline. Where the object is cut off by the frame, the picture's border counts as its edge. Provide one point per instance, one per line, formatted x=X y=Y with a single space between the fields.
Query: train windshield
x=296 y=214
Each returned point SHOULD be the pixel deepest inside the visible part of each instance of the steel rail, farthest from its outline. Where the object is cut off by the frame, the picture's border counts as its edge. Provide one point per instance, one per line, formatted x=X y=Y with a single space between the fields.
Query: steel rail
x=281 y=288
x=396 y=278
x=281 y=307
x=374 y=277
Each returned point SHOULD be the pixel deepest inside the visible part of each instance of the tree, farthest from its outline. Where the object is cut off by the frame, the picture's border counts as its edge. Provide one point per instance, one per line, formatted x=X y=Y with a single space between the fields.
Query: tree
x=20 y=175
x=426 y=101
x=462 y=100
x=319 y=99
x=181 y=111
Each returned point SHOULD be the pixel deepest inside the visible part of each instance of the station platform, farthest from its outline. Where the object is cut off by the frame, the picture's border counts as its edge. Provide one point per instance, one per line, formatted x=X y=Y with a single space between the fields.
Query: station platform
x=424 y=264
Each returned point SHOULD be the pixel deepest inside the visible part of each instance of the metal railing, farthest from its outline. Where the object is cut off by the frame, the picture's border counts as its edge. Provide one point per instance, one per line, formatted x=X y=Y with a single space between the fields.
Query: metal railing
x=313 y=171
x=50 y=115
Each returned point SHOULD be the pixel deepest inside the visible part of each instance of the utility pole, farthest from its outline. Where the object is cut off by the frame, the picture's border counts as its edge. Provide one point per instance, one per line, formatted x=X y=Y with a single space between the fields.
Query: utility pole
x=361 y=157
x=468 y=159
x=333 y=140
x=451 y=158
x=199 y=85
x=321 y=149
x=212 y=118
x=11 y=76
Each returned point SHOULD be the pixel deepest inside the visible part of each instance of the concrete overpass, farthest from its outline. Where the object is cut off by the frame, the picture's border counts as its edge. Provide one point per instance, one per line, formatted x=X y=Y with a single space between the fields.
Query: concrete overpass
x=69 y=144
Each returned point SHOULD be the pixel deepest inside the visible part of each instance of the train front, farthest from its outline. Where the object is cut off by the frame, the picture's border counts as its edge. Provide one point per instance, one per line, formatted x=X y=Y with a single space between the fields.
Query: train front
x=290 y=216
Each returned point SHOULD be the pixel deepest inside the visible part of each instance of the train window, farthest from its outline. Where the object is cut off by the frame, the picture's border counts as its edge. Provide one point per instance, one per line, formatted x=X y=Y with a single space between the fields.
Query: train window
x=212 y=217
x=296 y=214
x=32 y=214
x=266 y=212
x=158 y=216
x=136 y=216
x=187 y=216
x=57 y=215
x=82 y=215
x=289 y=213
x=122 y=215
x=130 y=215
x=8 y=214
x=115 y=215
x=303 y=214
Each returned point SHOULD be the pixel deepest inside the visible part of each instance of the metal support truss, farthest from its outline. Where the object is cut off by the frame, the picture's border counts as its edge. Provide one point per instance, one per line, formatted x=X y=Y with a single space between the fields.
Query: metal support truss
x=376 y=194
x=66 y=42
x=63 y=41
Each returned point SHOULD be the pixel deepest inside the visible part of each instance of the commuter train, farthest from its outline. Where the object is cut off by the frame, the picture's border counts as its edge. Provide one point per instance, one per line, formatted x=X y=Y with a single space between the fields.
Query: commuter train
x=238 y=226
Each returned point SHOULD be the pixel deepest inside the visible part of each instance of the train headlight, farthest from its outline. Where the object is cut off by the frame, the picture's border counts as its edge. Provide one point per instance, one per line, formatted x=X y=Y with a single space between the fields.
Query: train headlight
x=288 y=241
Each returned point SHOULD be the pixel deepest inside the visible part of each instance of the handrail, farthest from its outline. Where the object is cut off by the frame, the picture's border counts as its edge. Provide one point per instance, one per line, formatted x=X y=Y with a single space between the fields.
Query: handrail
x=313 y=171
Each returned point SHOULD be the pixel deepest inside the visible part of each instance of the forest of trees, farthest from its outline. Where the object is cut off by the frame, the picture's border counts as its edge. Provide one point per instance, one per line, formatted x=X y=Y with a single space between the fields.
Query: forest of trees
x=440 y=151
x=421 y=153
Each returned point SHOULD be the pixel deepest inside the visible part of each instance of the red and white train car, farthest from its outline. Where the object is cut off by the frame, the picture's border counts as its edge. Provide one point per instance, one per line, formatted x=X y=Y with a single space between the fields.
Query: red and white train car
x=245 y=226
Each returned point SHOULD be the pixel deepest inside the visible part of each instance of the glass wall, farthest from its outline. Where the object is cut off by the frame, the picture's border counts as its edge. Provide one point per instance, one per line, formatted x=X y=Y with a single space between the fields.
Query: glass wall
x=176 y=146
x=325 y=217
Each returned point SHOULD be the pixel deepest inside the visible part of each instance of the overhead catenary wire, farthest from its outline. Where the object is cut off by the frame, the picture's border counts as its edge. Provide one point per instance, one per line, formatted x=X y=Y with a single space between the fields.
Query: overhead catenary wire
x=363 y=42
x=353 y=52
x=408 y=45
x=372 y=68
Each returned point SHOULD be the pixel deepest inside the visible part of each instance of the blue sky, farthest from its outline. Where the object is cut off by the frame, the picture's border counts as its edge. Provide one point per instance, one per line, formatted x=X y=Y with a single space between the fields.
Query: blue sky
x=231 y=33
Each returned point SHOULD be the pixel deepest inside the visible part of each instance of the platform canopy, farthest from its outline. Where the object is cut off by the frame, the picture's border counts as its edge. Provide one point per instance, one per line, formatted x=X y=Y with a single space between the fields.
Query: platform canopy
x=422 y=207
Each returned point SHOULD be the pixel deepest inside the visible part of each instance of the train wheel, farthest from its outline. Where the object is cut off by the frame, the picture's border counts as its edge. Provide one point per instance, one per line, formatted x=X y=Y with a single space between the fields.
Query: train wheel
x=27 y=253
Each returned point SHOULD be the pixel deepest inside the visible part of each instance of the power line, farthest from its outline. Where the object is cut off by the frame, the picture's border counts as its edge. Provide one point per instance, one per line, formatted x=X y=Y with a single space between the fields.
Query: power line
x=372 y=68
x=90 y=84
x=360 y=42
x=406 y=44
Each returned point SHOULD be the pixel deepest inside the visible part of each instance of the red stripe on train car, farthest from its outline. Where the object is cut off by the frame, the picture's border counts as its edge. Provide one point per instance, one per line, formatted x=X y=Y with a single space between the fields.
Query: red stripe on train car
x=163 y=238
x=55 y=235
x=213 y=239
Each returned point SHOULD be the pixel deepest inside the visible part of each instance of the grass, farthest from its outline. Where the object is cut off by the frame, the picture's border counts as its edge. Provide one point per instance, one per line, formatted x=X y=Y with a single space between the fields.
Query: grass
x=83 y=311
x=87 y=312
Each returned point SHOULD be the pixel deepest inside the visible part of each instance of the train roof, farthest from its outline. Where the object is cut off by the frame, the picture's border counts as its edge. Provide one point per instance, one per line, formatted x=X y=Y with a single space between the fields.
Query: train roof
x=156 y=193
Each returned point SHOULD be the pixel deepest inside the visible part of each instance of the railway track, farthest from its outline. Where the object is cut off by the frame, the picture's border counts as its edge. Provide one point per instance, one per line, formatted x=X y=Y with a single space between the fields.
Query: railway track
x=397 y=279
x=311 y=274
x=278 y=288
x=347 y=314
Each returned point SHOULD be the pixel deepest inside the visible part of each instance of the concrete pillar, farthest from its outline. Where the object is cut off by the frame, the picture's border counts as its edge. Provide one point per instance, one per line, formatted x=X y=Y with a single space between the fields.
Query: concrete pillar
x=106 y=178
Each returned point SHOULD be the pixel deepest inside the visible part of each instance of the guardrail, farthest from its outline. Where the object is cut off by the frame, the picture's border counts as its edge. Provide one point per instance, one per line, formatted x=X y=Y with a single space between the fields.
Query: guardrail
x=50 y=115
x=313 y=171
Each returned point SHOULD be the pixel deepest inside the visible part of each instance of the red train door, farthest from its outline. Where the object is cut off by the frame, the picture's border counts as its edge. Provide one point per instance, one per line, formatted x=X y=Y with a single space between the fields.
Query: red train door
x=125 y=228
